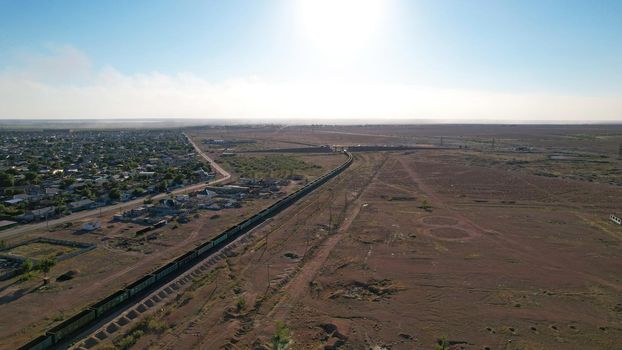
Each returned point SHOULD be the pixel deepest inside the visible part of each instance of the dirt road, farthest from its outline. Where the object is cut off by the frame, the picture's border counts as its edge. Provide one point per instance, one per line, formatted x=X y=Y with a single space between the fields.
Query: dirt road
x=225 y=175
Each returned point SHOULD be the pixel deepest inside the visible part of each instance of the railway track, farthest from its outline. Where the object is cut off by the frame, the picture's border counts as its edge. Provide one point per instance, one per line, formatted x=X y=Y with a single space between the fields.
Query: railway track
x=124 y=306
x=152 y=302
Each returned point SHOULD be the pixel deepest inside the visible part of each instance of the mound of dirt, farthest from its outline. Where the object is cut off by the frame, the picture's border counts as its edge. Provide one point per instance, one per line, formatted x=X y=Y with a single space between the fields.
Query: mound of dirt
x=373 y=290
x=291 y=255
x=332 y=338
x=67 y=275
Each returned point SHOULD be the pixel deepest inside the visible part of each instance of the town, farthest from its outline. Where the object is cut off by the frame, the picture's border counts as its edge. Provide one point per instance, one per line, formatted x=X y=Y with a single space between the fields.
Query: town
x=51 y=173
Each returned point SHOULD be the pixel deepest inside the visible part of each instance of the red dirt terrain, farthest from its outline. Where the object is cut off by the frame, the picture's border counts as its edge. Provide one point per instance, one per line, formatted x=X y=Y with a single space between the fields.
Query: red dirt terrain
x=487 y=248
x=425 y=248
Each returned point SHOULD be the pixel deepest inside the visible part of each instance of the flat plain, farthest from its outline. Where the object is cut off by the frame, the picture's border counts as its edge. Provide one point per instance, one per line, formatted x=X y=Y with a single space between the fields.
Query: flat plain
x=490 y=237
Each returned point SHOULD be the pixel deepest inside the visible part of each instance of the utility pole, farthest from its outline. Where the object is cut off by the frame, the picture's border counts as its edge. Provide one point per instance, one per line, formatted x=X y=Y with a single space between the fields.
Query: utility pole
x=493 y=143
x=330 y=220
x=441 y=141
x=268 y=284
x=306 y=244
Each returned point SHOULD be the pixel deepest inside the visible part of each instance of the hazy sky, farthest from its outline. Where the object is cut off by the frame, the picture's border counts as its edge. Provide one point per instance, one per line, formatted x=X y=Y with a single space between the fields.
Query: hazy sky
x=292 y=60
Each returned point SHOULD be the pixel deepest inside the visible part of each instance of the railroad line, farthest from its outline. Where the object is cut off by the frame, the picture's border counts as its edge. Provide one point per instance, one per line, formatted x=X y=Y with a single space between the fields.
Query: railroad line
x=174 y=273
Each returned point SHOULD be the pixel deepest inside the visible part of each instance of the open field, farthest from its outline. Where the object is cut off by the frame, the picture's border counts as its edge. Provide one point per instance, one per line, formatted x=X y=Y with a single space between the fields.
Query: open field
x=518 y=258
x=431 y=245
x=267 y=166
x=41 y=250
x=504 y=247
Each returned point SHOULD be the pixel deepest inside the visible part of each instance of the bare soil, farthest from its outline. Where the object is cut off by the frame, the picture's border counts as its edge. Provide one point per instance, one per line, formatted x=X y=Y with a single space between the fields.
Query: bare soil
x=501 y=257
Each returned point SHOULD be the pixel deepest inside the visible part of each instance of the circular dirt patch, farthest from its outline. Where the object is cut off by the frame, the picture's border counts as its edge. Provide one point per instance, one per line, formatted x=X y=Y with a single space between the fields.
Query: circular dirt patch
x=439 y=220
x=449 y=232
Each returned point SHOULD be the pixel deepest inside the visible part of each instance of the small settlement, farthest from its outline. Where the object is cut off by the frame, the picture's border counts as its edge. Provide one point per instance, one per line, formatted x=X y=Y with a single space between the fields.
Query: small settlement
x=50 y=173
x=214 y=198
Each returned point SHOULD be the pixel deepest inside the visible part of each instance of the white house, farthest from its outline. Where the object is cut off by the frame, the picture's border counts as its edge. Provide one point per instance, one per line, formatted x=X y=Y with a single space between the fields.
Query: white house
x=182 y=198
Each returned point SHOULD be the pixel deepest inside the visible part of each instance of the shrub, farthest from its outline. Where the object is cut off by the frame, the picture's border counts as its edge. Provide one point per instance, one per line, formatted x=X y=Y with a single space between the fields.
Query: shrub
x=27 y=265
x=241 y=304
x=442 y=344
x=156 y=326
x=425 y=205
x=129 y=340
x=26 y=277
x=45 y=265
x=281 y=338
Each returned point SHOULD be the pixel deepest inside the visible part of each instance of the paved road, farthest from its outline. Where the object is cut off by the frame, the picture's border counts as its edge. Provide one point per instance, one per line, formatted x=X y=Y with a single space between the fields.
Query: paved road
x=118 y=207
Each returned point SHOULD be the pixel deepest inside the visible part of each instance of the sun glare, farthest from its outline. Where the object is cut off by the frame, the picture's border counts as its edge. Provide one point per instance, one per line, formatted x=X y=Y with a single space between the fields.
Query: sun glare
x=341 y=26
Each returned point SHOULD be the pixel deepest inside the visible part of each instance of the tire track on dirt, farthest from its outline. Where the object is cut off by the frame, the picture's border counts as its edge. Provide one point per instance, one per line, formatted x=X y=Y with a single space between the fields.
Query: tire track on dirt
x=298 y=286
x=248 y=322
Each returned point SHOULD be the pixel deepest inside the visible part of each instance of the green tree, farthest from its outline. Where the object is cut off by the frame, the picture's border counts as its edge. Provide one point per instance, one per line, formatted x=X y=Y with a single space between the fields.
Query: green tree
x=114 y=194
x=33 y=167
x=32 y=177
x=87 y=192
x=163 y=186
x=6 y=180
x=138 y=191
x=68 y=182
x=45 y=266
x=27 y=265
x=179 y=179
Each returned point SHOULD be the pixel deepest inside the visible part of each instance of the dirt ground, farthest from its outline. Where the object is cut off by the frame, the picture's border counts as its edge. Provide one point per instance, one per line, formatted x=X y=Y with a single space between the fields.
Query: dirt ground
x=120 y=258
x=429 y=246
x=406 y=248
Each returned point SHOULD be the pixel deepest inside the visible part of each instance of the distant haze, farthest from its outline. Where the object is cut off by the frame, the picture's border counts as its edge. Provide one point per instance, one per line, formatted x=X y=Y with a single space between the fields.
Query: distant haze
x=313 y=61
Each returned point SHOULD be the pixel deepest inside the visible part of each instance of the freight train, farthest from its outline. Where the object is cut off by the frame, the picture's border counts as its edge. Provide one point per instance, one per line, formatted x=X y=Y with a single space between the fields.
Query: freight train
x=64 y=331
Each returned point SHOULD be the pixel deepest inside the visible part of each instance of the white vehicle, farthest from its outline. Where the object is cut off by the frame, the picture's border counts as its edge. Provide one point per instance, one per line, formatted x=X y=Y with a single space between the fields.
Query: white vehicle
x=90 y=226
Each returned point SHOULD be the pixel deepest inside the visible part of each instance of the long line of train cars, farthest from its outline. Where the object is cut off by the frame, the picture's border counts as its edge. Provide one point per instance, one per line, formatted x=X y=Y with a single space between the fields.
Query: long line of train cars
x=62 y=332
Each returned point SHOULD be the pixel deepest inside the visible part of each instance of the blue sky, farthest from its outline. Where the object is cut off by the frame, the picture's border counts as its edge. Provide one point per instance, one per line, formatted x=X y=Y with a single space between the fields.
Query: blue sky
x=543 y=54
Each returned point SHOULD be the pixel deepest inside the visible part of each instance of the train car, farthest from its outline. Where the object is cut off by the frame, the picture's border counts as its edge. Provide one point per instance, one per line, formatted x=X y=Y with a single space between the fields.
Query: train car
x=205 y=247
x=219 y=239
x=233 y=230
x=41 y=342
x=281 y=203
x=71 y=325
x=165 y=270
x=141 y=285
x=186 y=258
x=105 y=305
x=244 y=224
